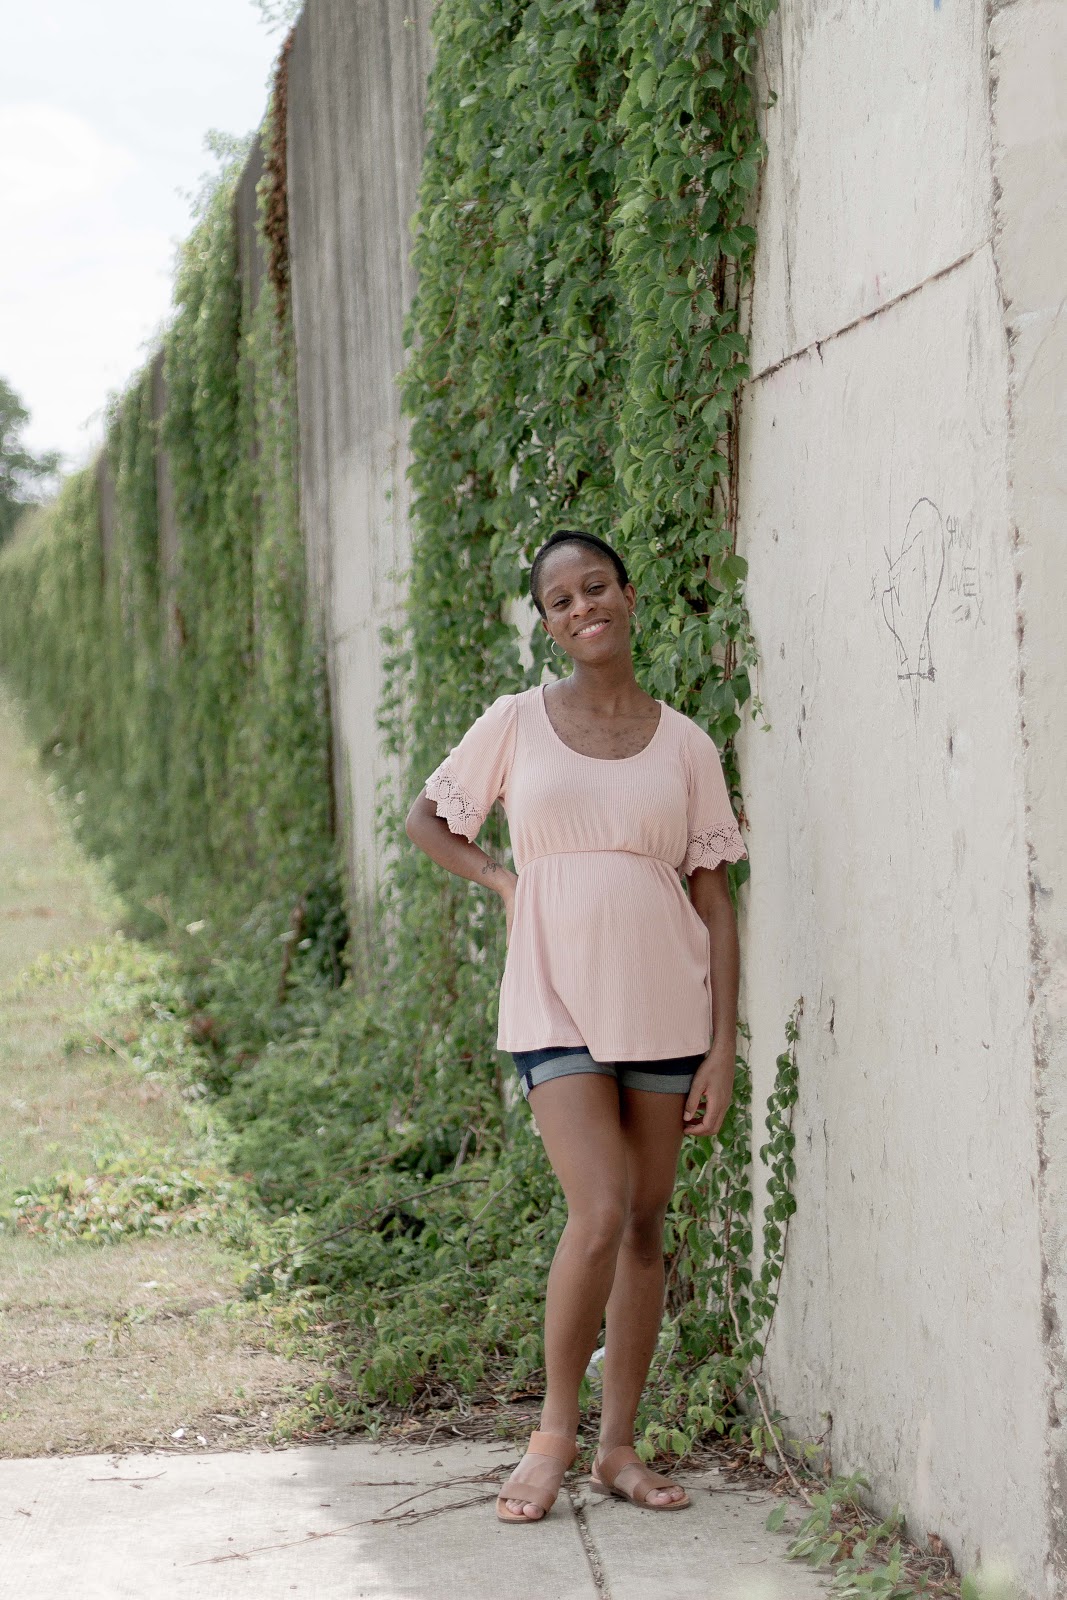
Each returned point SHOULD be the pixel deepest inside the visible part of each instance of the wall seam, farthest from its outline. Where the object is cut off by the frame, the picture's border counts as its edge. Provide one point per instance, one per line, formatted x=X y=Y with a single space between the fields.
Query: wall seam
x=869 y=316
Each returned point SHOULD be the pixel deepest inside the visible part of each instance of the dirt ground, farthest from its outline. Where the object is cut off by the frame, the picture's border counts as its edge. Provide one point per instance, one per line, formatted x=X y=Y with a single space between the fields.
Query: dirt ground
x=116 y=1347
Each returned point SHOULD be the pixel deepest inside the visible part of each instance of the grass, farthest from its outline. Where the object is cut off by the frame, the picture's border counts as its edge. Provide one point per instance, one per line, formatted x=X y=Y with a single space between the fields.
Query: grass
x=116 y=1347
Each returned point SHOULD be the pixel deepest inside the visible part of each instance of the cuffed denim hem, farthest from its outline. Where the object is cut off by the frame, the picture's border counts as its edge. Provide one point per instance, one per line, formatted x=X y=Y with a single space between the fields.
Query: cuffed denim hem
x=670 y=1076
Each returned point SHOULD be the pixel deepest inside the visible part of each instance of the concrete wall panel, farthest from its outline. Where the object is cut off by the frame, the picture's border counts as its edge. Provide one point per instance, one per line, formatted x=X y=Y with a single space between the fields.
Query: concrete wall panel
x=888 y=887
x=903 y=502
x=1029 y=74
x=105 y=490
x=356 y=93
x=166 y=517
x=879 y=169
x=250 y=259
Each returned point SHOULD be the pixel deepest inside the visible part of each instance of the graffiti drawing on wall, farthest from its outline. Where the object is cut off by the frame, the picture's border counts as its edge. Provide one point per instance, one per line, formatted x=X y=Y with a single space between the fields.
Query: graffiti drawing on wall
x=964 y=573
x=916 y=571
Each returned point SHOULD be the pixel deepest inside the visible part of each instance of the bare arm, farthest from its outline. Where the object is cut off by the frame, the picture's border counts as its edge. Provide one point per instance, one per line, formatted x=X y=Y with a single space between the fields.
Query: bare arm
x=455 y=853
x=709 y=892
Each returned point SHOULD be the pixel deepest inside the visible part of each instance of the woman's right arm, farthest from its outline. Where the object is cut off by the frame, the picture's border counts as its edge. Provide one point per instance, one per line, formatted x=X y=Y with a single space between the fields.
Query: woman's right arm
x=455 y=853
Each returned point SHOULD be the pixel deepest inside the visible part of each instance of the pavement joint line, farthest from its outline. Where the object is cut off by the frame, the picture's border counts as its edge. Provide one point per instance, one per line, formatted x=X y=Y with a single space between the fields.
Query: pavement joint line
x=592 y=1554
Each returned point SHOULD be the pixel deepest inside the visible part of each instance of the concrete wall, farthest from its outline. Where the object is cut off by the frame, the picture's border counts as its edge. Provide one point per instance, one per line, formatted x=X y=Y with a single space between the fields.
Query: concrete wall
x=250 y=258
x=1028 y=55
x=898 y=480
x=357 y=80
x=167 y=519
x=105 y=490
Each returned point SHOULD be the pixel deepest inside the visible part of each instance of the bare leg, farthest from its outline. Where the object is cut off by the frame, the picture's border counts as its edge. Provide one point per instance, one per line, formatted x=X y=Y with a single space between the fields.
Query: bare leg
x=652 y=1131
x=579 y=1121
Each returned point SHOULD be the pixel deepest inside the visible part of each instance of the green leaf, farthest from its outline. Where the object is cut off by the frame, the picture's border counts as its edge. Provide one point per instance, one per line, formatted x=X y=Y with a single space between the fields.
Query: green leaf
x=646 y=85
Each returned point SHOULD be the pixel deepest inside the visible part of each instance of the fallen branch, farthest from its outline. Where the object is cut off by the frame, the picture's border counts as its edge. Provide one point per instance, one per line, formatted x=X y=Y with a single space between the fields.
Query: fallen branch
x=150 y=1479
x=109 y=1044
x=406 y=1519
x=361 y=1222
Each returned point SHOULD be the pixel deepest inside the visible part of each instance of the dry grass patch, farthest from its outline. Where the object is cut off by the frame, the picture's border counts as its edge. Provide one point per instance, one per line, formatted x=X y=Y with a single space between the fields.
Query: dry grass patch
x=59 y=1106
x=102 y=1347
x=120 y=1348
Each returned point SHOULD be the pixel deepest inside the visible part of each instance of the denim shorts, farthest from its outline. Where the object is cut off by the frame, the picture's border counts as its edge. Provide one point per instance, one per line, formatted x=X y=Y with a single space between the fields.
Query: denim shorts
x=671 y=1076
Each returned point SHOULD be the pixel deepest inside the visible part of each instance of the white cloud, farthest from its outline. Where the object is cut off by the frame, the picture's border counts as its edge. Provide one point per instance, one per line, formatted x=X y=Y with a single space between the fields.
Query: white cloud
x=103 y=110
x=83 y=288
x=50 y=157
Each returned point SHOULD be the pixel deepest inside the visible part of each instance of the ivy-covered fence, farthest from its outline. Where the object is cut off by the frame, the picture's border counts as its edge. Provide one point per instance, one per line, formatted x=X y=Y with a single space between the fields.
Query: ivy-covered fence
x=577 y=348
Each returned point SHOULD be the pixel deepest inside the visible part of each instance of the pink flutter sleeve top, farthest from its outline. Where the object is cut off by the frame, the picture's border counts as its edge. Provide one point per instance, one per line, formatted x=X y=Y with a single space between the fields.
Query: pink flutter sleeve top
x=606 y=950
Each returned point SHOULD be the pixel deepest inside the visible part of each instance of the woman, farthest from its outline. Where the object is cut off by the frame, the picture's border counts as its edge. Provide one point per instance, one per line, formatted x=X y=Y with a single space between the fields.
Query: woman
x=612 y=978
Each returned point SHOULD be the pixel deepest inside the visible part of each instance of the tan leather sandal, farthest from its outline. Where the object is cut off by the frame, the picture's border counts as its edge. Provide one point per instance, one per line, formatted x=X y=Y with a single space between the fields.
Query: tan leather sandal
x=537 y=1483
x=621 y=1472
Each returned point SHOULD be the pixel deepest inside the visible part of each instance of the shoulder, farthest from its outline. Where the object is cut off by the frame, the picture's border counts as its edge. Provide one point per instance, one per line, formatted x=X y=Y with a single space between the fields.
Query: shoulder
x=502 y=709
x=689 y=733
x=495 y=728
x=697 y=748
x=506 y=705
x=510 y=710
x=500 y=715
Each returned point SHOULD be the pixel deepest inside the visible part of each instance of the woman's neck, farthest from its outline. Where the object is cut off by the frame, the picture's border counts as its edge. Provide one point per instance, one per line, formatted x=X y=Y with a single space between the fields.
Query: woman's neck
x=609 y=688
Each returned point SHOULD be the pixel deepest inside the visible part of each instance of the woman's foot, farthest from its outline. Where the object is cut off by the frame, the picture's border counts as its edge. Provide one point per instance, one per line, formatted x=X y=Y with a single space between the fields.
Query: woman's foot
x=531 y=1491
x=619 y=1470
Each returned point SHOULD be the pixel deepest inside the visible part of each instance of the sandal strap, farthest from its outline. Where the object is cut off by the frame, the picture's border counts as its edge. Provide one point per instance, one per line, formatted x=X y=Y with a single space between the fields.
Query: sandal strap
x=631 y=1477
x=560 y=1450
x=531 y=1494
x=624 y=1455
x=554 y=1445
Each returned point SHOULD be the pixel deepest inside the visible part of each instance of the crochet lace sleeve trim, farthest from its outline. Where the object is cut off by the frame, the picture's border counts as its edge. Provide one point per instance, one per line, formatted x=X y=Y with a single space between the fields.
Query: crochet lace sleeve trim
x=459 y=808
x=709 y=848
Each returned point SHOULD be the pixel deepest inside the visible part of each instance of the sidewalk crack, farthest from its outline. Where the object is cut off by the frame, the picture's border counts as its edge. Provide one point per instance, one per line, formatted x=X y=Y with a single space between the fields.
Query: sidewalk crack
x=592 y=1554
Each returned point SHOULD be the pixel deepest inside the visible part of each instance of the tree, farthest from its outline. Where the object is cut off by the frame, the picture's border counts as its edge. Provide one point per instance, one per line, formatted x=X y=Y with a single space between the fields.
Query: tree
x=279 y=13
x=21 y=472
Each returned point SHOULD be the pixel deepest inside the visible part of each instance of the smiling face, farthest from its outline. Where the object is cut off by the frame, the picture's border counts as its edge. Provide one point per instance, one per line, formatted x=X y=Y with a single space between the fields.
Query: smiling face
x=587 y=612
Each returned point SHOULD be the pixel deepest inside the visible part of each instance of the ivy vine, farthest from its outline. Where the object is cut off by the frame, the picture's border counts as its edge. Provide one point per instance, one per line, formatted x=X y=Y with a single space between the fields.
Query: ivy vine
x=577 y=347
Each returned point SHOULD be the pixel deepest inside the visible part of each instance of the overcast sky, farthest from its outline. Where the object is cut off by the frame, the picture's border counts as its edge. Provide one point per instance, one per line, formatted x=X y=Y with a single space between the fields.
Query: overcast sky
x=104 y=105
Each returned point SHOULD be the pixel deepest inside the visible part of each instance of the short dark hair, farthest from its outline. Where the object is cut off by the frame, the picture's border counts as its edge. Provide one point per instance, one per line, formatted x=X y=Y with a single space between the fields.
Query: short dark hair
x=572 y=536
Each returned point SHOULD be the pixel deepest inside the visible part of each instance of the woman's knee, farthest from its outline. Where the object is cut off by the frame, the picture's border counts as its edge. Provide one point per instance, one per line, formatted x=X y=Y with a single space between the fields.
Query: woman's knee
x=597 y=1229
x=643 y=1229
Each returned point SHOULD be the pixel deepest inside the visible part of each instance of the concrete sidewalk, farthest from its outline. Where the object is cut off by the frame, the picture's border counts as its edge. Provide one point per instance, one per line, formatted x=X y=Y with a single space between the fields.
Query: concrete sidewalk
x=351 y=1520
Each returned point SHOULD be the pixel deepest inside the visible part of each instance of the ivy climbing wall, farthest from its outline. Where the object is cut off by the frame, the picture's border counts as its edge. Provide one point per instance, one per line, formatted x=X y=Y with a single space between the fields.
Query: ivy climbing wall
x=897 y=501
x=578 y=338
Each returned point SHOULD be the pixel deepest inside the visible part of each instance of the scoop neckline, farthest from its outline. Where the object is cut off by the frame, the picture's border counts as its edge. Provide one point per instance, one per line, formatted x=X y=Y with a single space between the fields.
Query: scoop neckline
x=611 y=761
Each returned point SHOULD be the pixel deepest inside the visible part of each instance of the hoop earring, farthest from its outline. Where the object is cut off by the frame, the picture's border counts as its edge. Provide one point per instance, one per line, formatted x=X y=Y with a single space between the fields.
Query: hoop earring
x=636 y=620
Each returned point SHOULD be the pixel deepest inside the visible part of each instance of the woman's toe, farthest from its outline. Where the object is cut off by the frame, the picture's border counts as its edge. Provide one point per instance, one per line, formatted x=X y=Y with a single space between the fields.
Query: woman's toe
x=664 y=1497
x=523 y=1508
